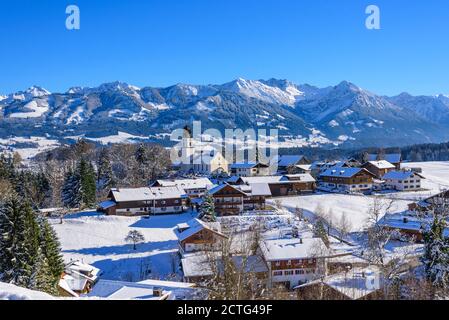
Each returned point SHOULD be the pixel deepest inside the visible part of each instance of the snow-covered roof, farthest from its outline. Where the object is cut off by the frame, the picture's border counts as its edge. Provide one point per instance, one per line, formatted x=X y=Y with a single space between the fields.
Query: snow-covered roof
x=85 y=269
x=106 y=204
x=305 y=167
x=220 y=187
x=256 y=189
x=355 y=284
x=401 y=175
x=69 y=284
x=186 y=184
x=382 y=164
x=391 y=157
x=251 y=263
x=243 y=165
x=146 y=194
x=198 y=264
x=343 y=172
x=279 y=179
x=120 y=290
x=303 y=177
x=289 y=160
x=291 y=249
x=195 y=226
x=73 y=282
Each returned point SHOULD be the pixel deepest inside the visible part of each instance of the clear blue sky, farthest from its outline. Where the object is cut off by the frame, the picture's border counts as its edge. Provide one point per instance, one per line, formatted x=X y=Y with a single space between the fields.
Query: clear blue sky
x=163 y=42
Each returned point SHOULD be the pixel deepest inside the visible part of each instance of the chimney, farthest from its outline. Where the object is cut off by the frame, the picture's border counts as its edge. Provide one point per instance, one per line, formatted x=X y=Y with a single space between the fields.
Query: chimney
x=158 y=292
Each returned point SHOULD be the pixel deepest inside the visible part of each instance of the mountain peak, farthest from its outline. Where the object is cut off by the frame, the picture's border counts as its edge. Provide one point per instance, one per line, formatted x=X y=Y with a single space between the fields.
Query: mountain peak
x=346 y=85
x=36 y=91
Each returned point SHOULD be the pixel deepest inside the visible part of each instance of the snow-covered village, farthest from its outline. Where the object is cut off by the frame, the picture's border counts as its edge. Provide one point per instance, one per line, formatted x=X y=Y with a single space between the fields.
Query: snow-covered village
x=124 y=222
x=224 y=159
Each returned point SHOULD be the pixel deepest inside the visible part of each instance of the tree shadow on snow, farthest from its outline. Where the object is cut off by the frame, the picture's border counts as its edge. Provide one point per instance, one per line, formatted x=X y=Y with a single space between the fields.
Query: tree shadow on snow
x=158 y=266
x=162 y=222
x=126 y=249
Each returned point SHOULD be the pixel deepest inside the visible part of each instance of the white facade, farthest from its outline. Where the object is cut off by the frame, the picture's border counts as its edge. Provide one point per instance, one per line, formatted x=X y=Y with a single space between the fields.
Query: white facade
x=348 y=187
x=403 y=181
x=151 y=210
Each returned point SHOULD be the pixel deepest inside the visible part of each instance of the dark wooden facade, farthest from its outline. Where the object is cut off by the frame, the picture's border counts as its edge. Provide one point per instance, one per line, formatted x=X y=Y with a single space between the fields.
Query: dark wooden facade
x=229 y=201
x=362 y=177
x=378 y=172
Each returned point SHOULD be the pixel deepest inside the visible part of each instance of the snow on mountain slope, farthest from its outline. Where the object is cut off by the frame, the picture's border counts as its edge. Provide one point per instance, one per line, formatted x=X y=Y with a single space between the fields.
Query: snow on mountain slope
x=12 y=292
x=344 y=114
x=258 y=90
x=33 y=109
x=434 y=108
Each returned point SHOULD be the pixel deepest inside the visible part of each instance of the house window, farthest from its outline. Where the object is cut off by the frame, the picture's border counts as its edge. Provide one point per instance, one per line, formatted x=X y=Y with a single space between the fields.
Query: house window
x=278 y=264
x=288 y=273
x=289 y=262
x=277 y=273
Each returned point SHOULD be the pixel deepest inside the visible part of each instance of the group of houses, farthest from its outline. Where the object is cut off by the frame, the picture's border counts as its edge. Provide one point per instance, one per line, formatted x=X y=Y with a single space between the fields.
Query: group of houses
x=412 y=223
x=288 y=262
x=251 y=184
x=84 y=280
x=380 y=172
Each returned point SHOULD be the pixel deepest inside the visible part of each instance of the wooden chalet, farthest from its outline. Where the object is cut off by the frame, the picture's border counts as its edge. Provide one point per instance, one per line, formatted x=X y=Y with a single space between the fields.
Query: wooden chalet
x=379 y=168
x=393 y=158
x=197 y=235
x=193 y=188
x=249 y=169
x=288 y=162
x=228 y=200
x=292 y=262
x=144 y=201
x=283 y=186
x=347 y=179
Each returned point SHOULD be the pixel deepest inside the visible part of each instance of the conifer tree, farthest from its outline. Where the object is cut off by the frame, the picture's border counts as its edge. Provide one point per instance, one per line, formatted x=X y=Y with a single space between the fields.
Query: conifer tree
x=105 y=179
x=207 y=209
x=86 y=173
x=51 y=250
x=12 y=241
x=71 y=190
x=436 y=251
x=320 y=231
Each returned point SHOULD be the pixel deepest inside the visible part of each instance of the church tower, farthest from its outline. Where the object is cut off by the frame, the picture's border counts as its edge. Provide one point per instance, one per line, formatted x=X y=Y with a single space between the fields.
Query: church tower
x=188 y=150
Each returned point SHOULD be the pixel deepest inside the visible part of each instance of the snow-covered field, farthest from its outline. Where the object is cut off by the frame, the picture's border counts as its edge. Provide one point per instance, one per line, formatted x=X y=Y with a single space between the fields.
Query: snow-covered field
x=99 y=240
x=436 y=174
x=12 y=292
x=355 y=207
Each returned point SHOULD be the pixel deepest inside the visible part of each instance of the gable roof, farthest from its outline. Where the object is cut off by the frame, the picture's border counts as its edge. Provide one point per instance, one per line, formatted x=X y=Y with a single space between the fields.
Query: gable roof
x=255 y=189
x=291 y=249
x=186 y=184
x=248 y=165
x=390 y=157
x=289 y=160
x=344 y=172
x=382 y=164
x=223 y=186
x=146 y=194
x=401 y=175
x=195 y=226
x=306 y=177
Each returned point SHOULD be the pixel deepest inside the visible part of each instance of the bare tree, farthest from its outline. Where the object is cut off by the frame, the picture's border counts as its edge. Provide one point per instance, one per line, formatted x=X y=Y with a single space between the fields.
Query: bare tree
x=135 y=237
x=343 y=226
x=378 y=236
x=299 y=213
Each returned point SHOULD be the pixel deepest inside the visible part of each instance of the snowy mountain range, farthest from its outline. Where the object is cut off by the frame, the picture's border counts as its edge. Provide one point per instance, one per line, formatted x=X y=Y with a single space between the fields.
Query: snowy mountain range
x=342 y=115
